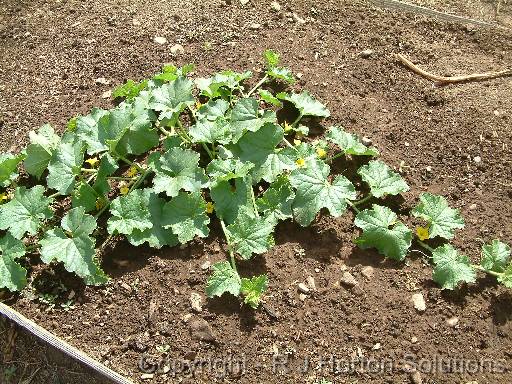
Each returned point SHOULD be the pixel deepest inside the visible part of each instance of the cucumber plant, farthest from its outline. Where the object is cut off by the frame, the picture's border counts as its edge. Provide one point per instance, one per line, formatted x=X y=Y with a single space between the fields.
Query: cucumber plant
x=177 y=153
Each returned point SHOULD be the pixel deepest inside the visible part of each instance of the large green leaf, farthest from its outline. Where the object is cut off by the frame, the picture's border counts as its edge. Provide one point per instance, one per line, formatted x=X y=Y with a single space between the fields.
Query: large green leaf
x=130 y=212
x=253 y=289
x=442 y=220
x=222 y=84
x=73 y=246
x=65 y=165
x=230 y=197
x=314 y=192
x=40 y=150
x=84 y=196
x=506 y=277
x=306 y=104
x=213 y=109
x=208 y=131
x=245 y=116
x=107 y=167
x=9 y=168
x=186 y=215
x=495 y=256
x=87 y=129
x=12 y=275
x=26 y=211
x=157 y=236
x=276 y=201
x=227 y=169
x=172 y=98
x=451 y=268
x=349 y=143
x=382 y=231
x=249 y=234
x=178 y=169
x=381 y=179
x=223 y=279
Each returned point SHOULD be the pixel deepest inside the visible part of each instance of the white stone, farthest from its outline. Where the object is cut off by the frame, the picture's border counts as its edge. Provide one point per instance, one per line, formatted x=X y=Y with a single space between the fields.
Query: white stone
x=419 y=302
x=160 y=40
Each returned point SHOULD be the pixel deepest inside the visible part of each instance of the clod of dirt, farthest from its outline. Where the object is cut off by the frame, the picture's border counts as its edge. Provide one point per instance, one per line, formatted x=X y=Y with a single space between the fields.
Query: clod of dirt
x=196 y=302
x=348 y=280
x=419 y=302
x=160 y=40
x=416 y=378
x=244 y=2
x=311 y=283
x=366 y=53
x=201 y=330
x=255 y=26
x=303 y=288
x=275 y=6
x=368 y=272
x=452 y=321
x=177 y=49
x=106 y=94
x=102 y=81
x=147 y=376
x=366 y=141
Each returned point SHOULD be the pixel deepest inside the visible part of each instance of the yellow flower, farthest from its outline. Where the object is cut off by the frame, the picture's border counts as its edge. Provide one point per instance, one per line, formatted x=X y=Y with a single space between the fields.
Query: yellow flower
x=124 y=190
x=100 y=203
x=3 y=197
x=321 y=152
x=287 y=127
x=296 y=142
x=93 y=162
x=209 y=207
x=198 y=104
x=300 y=162
x=132 y=171
x=422 y=233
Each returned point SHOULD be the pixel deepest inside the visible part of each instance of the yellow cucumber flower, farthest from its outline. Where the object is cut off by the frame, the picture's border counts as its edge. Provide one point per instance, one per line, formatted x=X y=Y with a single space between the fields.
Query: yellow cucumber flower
x=209 y=207
x=93 y=162
x=124 y=190
x=296 y=142
x=132 y=171
x=287 y=127
x=422 y=233
x=300 y=162
x=321 y=152
x=100 y=203
x=3 y=197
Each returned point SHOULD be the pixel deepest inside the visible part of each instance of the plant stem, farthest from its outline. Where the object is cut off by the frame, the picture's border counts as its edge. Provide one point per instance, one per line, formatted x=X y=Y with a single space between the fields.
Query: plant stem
x=89 y=170
x=139 y=168
x=54 y=195
x=352 y=205
x=480 y=268
x=288 y=143
x=363 y=200
x=425 y=245
x=230 y=249
x=259 y=84
x=253 y=198
x=297 y=120
x=121 y=178
x=164 y=131
x=329 y=159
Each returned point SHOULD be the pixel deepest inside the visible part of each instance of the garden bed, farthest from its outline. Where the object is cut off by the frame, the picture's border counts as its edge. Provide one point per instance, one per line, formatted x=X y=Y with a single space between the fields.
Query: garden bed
x=434 y=136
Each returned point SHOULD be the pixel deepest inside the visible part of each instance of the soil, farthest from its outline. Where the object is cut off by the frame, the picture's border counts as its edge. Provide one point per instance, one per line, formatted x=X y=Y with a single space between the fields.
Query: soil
x=51 y=54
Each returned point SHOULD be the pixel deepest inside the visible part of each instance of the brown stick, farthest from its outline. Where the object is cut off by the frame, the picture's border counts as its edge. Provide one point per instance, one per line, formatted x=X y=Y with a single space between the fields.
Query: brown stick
x=452 y=79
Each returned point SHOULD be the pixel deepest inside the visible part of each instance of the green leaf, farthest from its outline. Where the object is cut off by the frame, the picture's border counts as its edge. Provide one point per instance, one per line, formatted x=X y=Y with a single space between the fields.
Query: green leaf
x=223 y=279
x=213 y=109
x=65 y=165
x=107 y=167
x=9 y=168
x=276 y=201
x=253 y=289
x=40 y=150
x=245 y=116
x=222 y=84
x=157 y=236
x=271 y=58
x=259 y=148
x=306 y=104
x=249 y=234
x=269 y=98
x=451 y=268
x=495 y=256
x=130 y=89
x=282 y=73
x=208 y=131
x=128 y=130
x=12 y=275
x=87 y=129
x=178 y=169
x=442 y=220
x=382 y=231
x=73 y=246
x=381 y=179
x=84 y=196
x=129 y=213
x=506 y=277
x=227 y=169
x=26 y=211
x=186 y=215
x=315 y=192
x=230 y=198
x=349 y=143
x=172 y=98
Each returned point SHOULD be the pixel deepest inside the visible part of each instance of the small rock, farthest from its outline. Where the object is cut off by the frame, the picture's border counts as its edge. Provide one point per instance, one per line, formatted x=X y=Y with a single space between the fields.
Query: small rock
x=136 y=22
x=303 y=297
x=255 y=26
x=414 y=340
x=206 y=265
x=244 y=2
x=126 y=287
x=452 y=321
x=366 y=141
x=201 y=330
x=311 y=283
x=303 y=288
x=275 y=6
x=428 y=168
x=147 y=376
x=419 y=302
x=186 y=317
x=416 y=378
x=102 y=80
x=368 y=272
x=195 y=302
x=348 y=279
x=473 y=206
x=406 y=143
x=366 y=53
x=376 y=347
x=160 y=40
x=298 y=19
x=177 y=49
x=477 y=159
x=106 y=94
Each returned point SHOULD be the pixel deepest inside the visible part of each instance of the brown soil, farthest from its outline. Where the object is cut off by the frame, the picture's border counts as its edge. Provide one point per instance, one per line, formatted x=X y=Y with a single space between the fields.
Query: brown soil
x=51 y=54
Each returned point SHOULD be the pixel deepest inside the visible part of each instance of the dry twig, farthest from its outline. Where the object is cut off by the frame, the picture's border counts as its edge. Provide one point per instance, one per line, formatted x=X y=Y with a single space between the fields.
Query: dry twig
x=442 y=80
